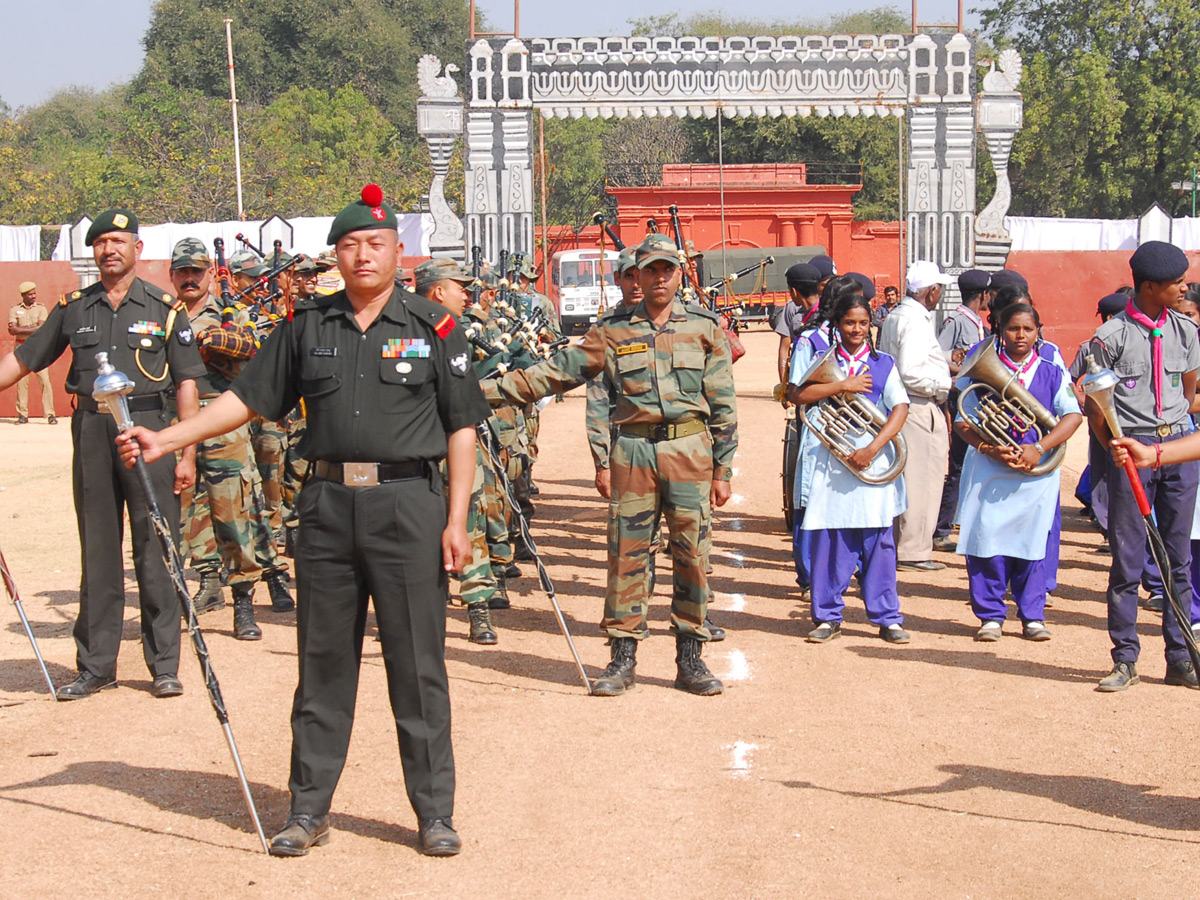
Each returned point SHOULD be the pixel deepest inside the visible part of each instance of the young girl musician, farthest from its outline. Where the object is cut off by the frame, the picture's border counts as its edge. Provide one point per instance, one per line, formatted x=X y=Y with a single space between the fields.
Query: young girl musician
x=849 y=520
x=1005 y=514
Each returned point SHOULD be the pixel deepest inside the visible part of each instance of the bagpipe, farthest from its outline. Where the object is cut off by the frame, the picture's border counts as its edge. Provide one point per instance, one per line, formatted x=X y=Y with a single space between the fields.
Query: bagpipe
x=255 y=303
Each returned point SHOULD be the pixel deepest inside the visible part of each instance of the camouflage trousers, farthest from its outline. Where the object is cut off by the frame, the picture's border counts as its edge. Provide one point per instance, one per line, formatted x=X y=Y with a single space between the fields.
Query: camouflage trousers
x=533 y=425
x=223 y=518
x=497 y=511
x=476 y=583
x=671 y=479
x=269 y=440
x=295 y=469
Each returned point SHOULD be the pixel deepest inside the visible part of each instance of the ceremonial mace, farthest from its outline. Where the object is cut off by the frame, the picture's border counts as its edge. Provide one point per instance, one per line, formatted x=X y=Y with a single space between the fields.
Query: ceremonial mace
x=109 y=391
x=1098 y=384
x=16 y=599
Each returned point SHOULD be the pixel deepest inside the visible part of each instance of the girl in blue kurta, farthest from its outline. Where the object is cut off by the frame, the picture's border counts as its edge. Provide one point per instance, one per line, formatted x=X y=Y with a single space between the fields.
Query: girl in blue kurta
x=850 y=521
x=1005 y=515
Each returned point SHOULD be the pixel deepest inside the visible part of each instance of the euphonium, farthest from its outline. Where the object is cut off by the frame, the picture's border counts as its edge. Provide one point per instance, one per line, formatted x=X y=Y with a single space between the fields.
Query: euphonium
x=1005 y=406
x=848 y=415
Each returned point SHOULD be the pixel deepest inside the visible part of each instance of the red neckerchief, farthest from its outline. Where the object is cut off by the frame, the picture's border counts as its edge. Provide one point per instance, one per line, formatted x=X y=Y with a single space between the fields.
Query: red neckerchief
x=1023 y=368
x=1155 y=329
x=853 y=361
x=812 y=311
x=975 y=319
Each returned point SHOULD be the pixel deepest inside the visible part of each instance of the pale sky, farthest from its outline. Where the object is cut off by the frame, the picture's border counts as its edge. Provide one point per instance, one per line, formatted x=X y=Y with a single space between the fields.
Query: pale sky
x=53 y=44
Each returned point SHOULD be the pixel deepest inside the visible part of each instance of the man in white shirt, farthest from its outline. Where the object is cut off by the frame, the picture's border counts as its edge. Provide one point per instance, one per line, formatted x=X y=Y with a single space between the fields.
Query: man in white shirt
x=908 y=334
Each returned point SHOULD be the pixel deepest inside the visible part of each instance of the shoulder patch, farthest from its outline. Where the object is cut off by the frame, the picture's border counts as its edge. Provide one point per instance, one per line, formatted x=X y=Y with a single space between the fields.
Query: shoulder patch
x=445 y=326
x=702 y=311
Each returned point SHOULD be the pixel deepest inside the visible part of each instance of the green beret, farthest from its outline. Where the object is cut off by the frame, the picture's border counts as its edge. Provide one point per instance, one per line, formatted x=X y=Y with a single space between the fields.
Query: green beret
x=432 y=271
x=365 y=214
x=111 y=220
x=190 y=253
x=656 y=247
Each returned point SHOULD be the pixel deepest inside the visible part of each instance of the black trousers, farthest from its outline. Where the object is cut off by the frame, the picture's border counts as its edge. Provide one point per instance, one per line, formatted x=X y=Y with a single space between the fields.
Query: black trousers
x=382 y=543
x=1171 y=491
x=104 y=489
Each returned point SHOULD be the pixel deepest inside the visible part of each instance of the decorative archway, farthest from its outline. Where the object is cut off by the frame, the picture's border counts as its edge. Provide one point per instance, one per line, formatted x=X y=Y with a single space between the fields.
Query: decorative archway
x=930 y=78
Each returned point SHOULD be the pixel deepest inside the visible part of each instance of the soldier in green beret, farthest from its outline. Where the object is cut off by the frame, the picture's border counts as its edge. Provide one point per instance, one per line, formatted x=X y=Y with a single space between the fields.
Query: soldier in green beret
x=146 y=335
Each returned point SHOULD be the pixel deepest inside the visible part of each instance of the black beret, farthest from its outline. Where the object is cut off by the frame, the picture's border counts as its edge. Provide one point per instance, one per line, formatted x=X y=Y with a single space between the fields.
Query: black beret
x=111 y=220
x=802 y=273
x=1008 y=276
x=825 y=265
x=1112 y=304
x=365 y=214
x=868 y=286
x=973 y=281
x=1158 y=261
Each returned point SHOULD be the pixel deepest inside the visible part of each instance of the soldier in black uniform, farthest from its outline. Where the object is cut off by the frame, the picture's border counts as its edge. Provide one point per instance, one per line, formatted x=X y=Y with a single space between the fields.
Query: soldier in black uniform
x=147 y=336
x=389 y=391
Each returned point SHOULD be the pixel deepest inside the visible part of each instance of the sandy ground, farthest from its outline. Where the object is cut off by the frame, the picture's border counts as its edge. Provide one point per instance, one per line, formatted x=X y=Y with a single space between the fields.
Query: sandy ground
x=945 y=768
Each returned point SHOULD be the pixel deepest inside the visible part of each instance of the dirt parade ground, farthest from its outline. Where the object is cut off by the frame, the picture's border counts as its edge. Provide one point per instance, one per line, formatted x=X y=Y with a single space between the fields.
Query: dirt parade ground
x=945 y=768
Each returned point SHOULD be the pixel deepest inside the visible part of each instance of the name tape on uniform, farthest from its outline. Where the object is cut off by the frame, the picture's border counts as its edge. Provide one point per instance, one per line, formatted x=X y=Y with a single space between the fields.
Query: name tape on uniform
x=632 y=348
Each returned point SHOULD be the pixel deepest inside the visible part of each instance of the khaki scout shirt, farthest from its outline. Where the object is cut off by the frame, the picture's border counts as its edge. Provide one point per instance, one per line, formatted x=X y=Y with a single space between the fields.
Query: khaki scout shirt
x=32 y=315
x=680 y=371
x=148 y=337
x=1124 y=346
x=388 y=394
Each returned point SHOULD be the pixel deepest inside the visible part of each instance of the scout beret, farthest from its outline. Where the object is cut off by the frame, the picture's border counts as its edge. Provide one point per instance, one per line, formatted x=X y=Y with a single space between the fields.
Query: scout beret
x=1112 y=304
x=190 y=253
x=25 y=287
x=868 y=286
x=1158 y=261
x=973 y=281
x=825 y=265
x=432 y=271
x=802 y=273
x=1008 y=276
x=655 y=247
x=625 y=261
x=365 y=214
x=111 y=220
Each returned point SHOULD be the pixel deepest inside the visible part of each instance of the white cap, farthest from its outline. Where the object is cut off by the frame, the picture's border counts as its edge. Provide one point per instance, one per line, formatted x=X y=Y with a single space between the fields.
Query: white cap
x=924 y=274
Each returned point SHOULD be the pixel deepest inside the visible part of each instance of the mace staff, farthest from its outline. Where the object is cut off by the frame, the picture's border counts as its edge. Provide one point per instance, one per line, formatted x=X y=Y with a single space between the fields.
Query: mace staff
x=110 y=390
x=16 y=599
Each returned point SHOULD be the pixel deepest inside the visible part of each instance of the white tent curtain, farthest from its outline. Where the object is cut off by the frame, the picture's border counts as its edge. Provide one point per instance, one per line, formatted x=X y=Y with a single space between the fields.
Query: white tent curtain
x=20 y=243
x=1029 y=233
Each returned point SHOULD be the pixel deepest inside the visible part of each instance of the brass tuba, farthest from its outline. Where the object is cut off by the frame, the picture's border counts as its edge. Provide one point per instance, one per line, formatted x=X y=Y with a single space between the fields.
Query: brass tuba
x=1005 y=406
x=848 y=414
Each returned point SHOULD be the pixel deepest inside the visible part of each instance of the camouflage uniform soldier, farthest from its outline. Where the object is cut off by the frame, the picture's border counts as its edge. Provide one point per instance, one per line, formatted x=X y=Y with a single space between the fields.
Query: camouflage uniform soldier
x=676 y=420
x=532 y=300
x=442 y=281
x=223 y=503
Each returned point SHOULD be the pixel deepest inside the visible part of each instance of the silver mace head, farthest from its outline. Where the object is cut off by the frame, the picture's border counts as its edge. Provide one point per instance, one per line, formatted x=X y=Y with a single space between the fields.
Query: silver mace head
x=1098 y=384
x=110 y=389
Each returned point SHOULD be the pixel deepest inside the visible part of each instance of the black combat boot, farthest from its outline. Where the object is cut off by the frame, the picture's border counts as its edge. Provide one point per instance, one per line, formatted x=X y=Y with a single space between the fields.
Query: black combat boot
x=482 y=631
x=499 y=600
x=694 y=676
x=211 y=594
x=244 y=626
x=281 y=599
x=618 y=677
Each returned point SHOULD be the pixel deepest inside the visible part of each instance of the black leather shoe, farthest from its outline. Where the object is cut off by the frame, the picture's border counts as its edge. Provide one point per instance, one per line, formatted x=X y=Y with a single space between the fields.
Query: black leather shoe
x=302 y=832
x=84 y=686
x=922 y=565
x=22 y=420
x=716 y=631
x=281 y=599
x=1123 y=676
x=166 y=686
x=1183 y=674
x=438 y=838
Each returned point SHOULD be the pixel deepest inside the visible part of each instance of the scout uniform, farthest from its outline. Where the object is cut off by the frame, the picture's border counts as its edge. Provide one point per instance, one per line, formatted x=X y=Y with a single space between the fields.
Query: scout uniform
x=148 y=337
x=676 y=424
x=371 y=518
x=224 y=514
x=31 y=316
x=1152 y=408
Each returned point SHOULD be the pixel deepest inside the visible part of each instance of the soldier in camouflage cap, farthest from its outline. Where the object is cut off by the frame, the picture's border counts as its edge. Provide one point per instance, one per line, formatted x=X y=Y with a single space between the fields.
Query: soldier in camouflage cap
x=676 y=422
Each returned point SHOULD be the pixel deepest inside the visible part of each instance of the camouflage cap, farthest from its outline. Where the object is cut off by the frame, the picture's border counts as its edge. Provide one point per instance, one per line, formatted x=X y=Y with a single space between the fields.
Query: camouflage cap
x=307 y=265
x=655 y=247
x=242 y=260
x=625 y=261
x=257 y=270
x=528 y=269
x=326 y=260
x=432 y=271
x=190 y=253
x=111 y=220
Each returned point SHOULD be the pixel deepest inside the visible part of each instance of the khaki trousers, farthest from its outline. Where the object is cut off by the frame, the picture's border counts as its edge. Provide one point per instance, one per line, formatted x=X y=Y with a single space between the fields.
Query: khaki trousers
x=924 y=474
x=43 y=378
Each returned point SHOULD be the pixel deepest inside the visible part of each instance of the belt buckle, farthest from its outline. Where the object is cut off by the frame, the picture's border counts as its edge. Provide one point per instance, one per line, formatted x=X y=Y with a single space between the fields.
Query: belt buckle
x=662 y=432
x=360 y=474
x=1163 y=431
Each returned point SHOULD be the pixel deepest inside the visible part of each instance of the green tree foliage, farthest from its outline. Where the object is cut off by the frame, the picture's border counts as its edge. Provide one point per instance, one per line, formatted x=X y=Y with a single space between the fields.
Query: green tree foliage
x=1112 y=103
